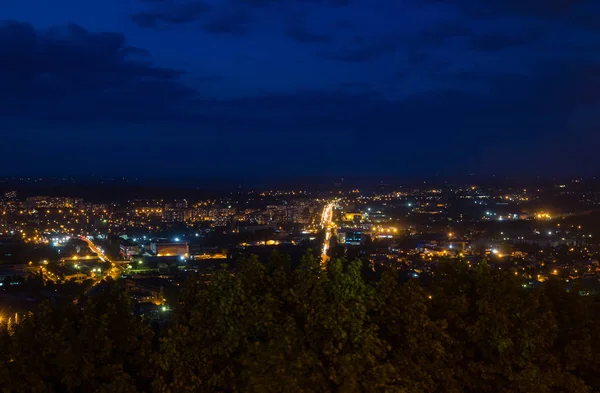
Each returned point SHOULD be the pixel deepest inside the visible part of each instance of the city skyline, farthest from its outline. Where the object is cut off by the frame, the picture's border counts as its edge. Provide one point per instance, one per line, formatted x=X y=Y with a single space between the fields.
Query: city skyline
x=271 y=88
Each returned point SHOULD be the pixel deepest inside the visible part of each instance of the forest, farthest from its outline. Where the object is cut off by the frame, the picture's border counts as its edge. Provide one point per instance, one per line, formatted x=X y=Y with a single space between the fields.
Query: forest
x=269 y=327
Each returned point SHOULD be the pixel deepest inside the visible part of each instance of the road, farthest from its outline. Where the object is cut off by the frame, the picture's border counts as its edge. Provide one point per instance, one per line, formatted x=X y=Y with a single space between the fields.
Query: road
x=114 y=270
x=96 y=249
x=48 y=275
x=327 y=225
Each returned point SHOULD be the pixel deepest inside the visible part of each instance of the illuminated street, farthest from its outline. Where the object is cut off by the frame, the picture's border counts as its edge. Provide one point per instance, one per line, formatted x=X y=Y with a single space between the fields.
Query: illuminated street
x=114 y=271
x=327 y=224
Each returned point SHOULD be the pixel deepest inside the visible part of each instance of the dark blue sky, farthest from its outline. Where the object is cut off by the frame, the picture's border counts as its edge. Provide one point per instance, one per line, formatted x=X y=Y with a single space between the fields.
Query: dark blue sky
x=299 y=87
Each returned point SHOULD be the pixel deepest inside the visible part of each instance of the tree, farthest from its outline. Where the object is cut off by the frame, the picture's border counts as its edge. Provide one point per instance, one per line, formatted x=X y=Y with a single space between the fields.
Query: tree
x=501 y=336
x=577 y=342
x=418 y=356
x=270 y=330
x=100 y=348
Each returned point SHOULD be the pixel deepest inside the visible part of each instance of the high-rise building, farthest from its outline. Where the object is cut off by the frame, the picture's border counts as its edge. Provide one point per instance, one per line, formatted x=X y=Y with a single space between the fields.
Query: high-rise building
x=10 y=195
x=3 y=220
x=177 y=211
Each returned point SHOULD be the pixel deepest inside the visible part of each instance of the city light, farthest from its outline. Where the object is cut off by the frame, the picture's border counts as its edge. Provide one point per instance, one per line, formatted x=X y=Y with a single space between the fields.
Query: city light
x=370 y=224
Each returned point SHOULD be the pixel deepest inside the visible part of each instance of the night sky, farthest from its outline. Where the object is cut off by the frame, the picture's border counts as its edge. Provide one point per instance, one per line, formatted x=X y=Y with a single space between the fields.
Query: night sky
x=299 y=87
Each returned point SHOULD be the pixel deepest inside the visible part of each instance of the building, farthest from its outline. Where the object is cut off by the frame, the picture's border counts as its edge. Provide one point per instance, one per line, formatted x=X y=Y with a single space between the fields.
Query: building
x=456 y=245
x=53 y=202
x=353 y=217
x=255 y=228
x=278 y=213
x=12 y=271
x=170 y=249
x=176 y=204
x=145 y=293
x=352 y=237
x=177 y=211
x=10 y=195
x=3 y=220
x=175 y=215
x=129 y=249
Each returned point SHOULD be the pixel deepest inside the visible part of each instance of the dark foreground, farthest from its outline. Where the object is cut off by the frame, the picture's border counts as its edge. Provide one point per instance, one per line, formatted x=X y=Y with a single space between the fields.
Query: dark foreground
x=269 y=328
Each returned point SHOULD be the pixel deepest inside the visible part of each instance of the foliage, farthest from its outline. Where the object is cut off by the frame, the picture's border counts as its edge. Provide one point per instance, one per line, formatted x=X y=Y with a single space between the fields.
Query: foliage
x=99 y=348
x=271 y=328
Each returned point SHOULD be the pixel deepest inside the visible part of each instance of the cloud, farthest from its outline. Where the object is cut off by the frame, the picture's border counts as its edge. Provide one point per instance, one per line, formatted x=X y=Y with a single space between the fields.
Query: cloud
x=265 y=3
x=208 y=78
x=586 y=17
x=231 y=21
x=134 y=51
x=232 y=17
x=148 y=20
x=298 y=31
x=462 y=76
x=340 y=3
x=168 y=13
x=363 y=50
x=497 y=42
x=535 y=8
x=356 y=88
x=69 y=78
x=300 y=34
x=439 y=34
x=344 y=24
x=335 y=3
x=539 y=101
x=259 y=3
x=548 y=88
x=492 y=43
x=431 y=49
x=542 y=8
x=67 y=72
x=556 y=86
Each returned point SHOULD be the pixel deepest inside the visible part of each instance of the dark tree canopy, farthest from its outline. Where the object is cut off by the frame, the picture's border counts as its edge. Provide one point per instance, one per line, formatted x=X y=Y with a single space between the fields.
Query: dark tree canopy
x=271 y=328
